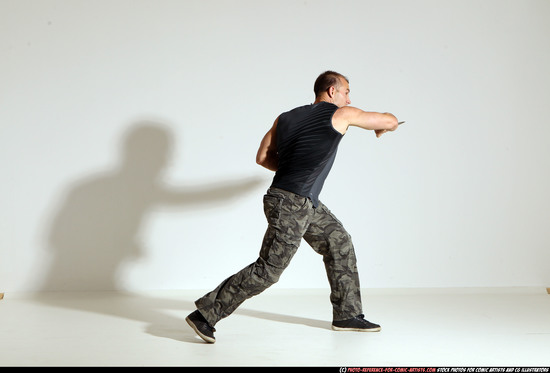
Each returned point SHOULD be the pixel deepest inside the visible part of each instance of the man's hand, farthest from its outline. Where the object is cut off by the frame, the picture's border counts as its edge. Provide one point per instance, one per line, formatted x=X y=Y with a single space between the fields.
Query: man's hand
x=380 y=132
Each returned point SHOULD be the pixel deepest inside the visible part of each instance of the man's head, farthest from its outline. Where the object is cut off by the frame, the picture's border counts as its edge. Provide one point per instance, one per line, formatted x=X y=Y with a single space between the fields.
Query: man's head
x=332 y=87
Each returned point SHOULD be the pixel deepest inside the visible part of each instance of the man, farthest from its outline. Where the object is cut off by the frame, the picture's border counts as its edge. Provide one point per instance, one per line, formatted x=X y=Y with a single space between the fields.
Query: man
x=300 y=147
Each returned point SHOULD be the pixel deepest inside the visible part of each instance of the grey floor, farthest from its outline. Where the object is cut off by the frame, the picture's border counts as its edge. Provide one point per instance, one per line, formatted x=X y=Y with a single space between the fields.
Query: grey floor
x=281 y=327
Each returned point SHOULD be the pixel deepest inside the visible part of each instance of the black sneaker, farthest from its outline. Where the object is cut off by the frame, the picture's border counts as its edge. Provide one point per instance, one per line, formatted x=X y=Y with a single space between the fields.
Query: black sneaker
x=201 y=326
x=357 y=324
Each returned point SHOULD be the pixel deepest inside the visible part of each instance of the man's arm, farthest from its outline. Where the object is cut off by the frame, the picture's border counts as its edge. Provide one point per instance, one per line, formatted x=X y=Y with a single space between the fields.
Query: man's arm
x=267 y=153
x=350 y=116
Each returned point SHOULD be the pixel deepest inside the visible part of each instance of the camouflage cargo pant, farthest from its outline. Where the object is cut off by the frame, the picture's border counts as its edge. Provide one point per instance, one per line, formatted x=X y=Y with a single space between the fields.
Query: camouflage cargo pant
x=292 y=217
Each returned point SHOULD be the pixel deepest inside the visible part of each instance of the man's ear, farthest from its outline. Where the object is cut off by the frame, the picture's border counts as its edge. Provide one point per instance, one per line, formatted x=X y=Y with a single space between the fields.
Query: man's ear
x=330 y=91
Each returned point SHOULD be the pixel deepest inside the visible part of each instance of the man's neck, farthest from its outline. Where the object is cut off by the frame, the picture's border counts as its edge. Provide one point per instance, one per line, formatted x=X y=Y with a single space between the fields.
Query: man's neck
x=322 y=98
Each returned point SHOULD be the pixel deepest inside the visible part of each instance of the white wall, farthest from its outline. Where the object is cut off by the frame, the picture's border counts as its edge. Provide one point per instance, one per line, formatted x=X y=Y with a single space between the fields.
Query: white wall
x=90 y=89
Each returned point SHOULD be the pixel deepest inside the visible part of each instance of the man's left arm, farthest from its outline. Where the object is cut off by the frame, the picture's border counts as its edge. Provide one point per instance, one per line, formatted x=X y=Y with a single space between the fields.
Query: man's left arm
x=267 y=153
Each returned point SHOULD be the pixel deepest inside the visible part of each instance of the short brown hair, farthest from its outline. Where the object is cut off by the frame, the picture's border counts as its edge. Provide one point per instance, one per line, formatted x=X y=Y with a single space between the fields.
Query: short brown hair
x=327 y=80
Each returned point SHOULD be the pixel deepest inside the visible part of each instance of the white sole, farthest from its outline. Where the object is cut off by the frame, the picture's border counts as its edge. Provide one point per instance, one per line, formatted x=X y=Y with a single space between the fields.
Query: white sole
x=338 y=329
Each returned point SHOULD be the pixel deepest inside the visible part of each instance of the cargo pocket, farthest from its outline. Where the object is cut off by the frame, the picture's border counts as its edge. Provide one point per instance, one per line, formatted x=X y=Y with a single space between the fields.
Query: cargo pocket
x=272 y=208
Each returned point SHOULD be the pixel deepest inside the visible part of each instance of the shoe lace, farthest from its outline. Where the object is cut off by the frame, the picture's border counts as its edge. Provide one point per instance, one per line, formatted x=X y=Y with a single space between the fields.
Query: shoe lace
x=361 y=319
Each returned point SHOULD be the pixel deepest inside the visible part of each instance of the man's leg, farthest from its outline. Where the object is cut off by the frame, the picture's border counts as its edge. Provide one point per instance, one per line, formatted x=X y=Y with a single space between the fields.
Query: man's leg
x=288 y=216
x=327 y=236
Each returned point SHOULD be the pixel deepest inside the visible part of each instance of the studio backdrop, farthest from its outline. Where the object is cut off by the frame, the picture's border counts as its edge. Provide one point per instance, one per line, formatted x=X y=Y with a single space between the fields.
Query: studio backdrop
x=129 y=129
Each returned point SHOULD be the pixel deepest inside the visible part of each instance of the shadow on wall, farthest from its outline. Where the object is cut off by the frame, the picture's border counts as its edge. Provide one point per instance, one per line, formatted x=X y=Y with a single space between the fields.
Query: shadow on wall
x=96 y=228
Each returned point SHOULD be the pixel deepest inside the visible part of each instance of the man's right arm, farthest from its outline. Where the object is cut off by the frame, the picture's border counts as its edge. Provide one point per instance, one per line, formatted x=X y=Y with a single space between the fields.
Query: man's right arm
x=351 y=116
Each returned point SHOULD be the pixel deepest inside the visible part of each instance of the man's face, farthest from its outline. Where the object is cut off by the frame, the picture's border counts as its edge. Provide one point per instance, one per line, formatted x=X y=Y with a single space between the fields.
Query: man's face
x=341 y=94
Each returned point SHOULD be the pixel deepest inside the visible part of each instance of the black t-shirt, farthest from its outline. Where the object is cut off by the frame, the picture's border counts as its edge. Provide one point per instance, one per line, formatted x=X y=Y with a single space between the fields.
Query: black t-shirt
x=306 y=147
